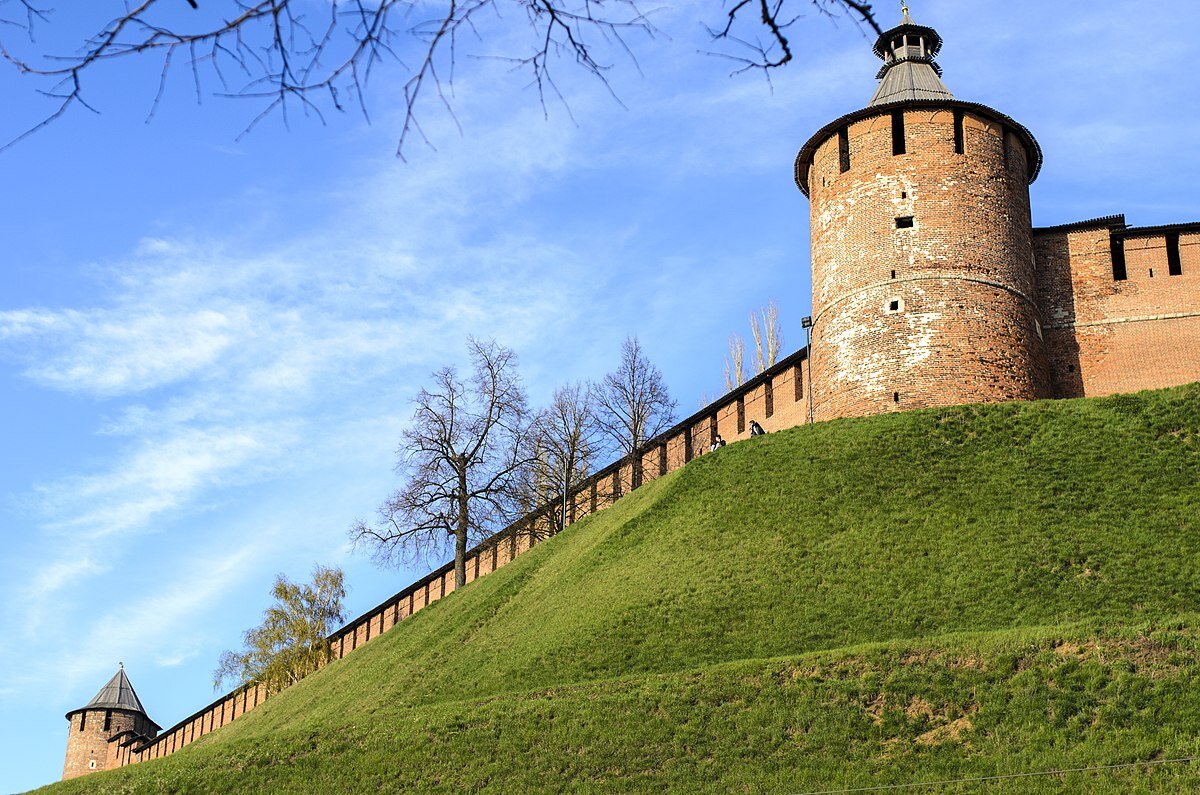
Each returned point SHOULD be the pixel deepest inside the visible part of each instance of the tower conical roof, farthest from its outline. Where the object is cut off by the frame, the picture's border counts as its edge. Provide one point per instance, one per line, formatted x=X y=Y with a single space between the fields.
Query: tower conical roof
x=117 y=694
x=909 y=71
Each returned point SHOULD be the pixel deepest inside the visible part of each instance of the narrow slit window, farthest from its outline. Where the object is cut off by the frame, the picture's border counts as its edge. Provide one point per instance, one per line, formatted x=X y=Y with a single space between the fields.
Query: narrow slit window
x=662 y=470
x=844 y=149
x=770 y=398
x=798 y=374
x=898 y=132
x=107 y=719
x=893 y=274
x=895 y=397
x=1117 y=247
x=741 y=414
x=712 y=429
x=687 y=446
x=82 y=720
x=959 y=133
x=904 y=222
x=1174 y=266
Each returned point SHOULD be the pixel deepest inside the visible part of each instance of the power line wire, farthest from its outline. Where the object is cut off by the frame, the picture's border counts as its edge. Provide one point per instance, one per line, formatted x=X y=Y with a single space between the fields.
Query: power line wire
x=914 y=785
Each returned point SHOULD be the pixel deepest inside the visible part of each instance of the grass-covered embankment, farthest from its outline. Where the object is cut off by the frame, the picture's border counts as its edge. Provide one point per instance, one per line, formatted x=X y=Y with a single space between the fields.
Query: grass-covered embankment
x=779 y=616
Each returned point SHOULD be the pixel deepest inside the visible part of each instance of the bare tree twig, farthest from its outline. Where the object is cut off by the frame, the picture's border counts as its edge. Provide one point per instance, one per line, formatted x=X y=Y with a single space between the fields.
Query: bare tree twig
x=288 y=60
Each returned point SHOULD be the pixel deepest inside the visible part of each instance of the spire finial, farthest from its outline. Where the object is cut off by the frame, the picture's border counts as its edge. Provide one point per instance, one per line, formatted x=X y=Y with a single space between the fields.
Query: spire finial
x=121 y=665
x=904 y=8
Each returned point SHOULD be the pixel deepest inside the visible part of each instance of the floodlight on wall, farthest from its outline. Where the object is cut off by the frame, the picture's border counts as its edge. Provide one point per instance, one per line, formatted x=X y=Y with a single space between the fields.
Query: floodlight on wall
x=806 y=323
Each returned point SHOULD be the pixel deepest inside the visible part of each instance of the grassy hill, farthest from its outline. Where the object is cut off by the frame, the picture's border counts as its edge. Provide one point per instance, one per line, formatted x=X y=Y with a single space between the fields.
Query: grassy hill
x=967 y=592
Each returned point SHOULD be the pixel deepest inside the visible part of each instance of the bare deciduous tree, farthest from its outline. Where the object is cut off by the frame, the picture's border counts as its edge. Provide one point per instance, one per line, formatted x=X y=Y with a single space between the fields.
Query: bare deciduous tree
x=464 y=454
x=566 y=434
x=292 y=641
x=316 y=57
x=735 y=363
x=633 y=405
x=768 y=340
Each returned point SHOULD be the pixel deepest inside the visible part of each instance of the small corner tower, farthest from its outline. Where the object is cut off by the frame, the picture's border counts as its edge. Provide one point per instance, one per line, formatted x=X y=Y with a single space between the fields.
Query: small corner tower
x=922 y=256
x=116 y=712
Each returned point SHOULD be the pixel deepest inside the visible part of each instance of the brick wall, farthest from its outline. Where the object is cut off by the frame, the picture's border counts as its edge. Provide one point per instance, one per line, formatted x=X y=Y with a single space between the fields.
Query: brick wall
x=788 y=407
x=941 y=312
x=88 y=743
x=1105 y=334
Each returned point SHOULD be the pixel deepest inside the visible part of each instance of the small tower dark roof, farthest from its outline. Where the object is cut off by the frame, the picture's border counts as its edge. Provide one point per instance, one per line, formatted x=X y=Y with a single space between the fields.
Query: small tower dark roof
x=909 y=71
x=117 y=694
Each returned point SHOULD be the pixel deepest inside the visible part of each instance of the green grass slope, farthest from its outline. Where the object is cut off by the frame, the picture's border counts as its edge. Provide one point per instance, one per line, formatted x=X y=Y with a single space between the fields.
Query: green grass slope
x=966 y=592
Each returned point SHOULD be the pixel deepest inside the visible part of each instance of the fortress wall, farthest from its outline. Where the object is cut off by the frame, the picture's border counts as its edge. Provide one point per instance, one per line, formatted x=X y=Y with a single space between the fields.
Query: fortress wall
x=788 y=408
x=1106 y=335
x=923 y=286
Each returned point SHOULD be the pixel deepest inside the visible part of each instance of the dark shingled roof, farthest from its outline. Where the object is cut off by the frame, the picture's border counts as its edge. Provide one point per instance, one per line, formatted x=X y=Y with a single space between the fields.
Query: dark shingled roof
x=117 y=694
x=909 y=72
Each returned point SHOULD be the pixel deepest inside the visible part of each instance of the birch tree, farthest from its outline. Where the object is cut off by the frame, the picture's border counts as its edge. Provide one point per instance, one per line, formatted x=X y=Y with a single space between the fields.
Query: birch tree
x=292 y=641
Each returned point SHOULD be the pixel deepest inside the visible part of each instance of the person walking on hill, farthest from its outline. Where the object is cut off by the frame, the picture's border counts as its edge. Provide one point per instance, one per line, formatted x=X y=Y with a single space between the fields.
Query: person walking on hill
x=756 y=429
x=716 y=443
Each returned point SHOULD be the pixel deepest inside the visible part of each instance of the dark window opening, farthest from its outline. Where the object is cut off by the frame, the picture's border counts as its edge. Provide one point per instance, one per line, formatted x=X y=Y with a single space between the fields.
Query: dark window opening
x=107 y=719
x=798 y=374
x=770 y=398
x=898 y=132
x=895 y=397
x=893 y=274
x=741 y=414
x=1174 y=266
x=687 y=446
x=1152 y=273
x=959 y=133
x=616 y=489
x=662 y=470
x=1070 y=368
x=844 y=149
x=712 y=429
x=596 y=496
x=82 y=720
x=1117 y=248
x=1004 y=143
x=904 y=222
x=894 y=306
x=903 y=194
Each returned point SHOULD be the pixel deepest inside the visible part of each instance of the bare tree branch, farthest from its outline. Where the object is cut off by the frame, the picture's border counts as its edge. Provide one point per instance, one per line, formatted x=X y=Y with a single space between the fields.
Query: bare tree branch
x=735 y=363
x=288 y=60
x=633 y=405
x=464 y=456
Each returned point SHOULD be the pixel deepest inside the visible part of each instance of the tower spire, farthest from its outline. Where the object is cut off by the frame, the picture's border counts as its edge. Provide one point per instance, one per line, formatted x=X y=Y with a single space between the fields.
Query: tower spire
x=909 y=71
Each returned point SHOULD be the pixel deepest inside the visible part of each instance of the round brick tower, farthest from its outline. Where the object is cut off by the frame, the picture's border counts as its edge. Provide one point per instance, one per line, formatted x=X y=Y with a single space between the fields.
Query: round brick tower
x=922 y=257
x=96 y=730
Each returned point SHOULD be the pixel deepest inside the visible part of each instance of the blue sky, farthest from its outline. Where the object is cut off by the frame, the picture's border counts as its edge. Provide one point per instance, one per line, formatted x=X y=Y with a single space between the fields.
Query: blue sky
x=207 y=346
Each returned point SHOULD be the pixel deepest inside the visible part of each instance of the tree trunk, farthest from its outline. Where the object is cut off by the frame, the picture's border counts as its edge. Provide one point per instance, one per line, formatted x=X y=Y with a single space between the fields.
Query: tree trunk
x=460 y=533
